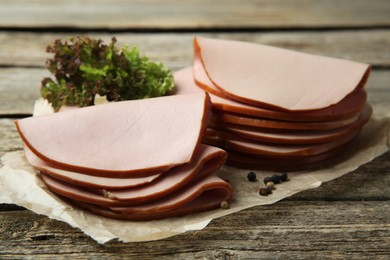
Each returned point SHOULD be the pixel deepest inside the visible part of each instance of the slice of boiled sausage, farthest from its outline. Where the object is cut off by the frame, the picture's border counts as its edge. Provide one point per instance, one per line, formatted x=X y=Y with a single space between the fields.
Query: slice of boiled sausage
x=259 y=162
x=213 y=137
x=282 y=125
x=301 y=137
x=204 y=195
x=185 y=84
x=86 y=180
x=277 y=78
x=130 y=138
x=207 y=161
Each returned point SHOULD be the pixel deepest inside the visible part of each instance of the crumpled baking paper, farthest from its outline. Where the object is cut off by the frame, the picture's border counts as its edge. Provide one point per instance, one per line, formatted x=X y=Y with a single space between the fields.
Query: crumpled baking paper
x=20 y=185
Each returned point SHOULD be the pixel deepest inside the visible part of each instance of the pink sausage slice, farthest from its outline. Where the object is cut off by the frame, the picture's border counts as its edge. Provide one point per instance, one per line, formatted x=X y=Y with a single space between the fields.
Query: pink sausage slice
x=79 y=193
x=217 y=138
x=178 y=199
x=130 y=138
x=283 y=125
x=259 y=162
x=85 y=180
x=304 y=137
x=184 y=81
x=277 y=78
x=204 y=195
x=207 y=161
x=201 y=78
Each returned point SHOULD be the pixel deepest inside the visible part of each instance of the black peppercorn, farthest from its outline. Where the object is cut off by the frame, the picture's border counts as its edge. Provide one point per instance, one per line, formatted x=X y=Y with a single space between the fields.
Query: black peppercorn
x=276 y=179
x=268 y=190
x=267 y=179
x=284 y=177
x=252 y=176
x=263 y=192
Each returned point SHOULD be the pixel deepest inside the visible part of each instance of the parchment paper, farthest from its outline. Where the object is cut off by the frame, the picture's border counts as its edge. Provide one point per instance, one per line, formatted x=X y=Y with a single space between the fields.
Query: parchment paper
x=20 y=185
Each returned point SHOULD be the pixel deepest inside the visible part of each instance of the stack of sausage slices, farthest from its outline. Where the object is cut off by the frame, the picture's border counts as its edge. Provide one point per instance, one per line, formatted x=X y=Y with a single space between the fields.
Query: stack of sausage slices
x=277 y=109
x=136 y=160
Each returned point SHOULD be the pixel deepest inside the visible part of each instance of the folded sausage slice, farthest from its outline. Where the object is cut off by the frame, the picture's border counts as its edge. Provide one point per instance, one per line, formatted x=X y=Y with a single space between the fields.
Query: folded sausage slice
x=213 y=137
x=259 y=162
x=301 y=137
x=86 y=180
x=130 y=138
x=185 y=83
x=206 y=194
x=201 y=78
x=179 y=199
x=207 y=161
x=282 y=125
x=79 y=193
x=277 y=78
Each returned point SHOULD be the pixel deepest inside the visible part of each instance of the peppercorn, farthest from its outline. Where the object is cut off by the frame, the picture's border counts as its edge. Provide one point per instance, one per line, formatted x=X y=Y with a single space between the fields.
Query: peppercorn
x=276 y=179
x=284 y=177
x=252 y=176
x=224 y=205
x=267 y=179
x=270 y=185
x=268 y=190
x=263 y=192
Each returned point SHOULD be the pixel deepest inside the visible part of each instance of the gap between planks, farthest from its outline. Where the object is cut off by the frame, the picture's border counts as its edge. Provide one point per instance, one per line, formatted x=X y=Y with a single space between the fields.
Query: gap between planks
x=199 y=14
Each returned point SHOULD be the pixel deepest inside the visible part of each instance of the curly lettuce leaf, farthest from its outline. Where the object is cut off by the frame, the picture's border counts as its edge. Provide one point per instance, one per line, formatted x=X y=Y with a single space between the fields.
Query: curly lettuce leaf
x=84 y=67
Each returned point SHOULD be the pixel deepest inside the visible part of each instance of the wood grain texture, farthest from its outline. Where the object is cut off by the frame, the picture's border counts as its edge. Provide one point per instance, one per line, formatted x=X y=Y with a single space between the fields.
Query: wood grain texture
x=286 y=230
x=19 y=88
x=175 y=50
x=342 y=219
x=9 y=137
x=198 y=14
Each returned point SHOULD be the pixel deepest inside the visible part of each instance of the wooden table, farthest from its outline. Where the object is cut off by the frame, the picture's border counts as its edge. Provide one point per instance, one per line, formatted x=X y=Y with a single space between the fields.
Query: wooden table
x=345 y=218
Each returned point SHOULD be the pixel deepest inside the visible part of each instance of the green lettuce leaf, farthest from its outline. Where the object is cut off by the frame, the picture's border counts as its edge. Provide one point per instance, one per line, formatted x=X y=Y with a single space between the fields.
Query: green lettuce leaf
x=83 y=67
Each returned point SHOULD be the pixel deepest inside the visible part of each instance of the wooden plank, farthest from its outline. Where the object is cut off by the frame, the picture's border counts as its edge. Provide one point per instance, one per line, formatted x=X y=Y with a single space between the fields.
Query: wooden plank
x=308 y=230
x=193 y=14
x=369 y=182
x=175 y=50
x=9 y=137
x=19 y=88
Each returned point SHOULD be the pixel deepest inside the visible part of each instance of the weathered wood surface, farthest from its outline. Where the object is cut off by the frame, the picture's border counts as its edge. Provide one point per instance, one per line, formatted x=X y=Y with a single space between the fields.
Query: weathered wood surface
x=9 y=138
x=193 y=14
x=175 y=50
x=345 y=218
x=19 y=87
x=286 y=230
